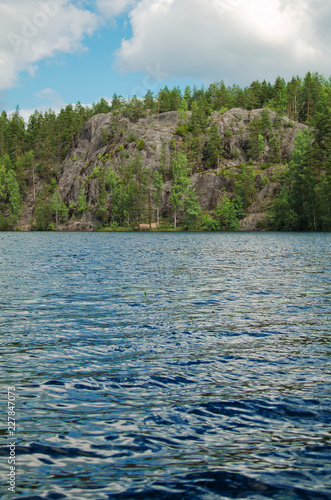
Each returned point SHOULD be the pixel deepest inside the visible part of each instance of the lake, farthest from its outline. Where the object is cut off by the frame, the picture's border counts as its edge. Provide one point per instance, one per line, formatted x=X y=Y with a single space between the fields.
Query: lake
x=166 y=365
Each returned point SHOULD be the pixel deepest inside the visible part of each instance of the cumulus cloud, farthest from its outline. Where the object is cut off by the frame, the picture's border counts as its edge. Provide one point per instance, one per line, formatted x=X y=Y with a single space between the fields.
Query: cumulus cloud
x=234 y=40
x=31 y=31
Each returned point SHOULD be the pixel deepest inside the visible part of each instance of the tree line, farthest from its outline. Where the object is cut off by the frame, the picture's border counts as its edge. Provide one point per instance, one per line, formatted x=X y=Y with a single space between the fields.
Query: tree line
x=36 y=149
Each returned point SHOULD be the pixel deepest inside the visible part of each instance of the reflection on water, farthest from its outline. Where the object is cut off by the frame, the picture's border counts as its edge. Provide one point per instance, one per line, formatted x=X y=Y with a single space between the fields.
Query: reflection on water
x=168 y=365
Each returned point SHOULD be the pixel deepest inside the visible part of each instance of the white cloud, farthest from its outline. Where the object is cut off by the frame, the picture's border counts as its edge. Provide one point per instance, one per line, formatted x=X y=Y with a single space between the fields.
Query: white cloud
x=111 y=8
x=54 y=102
x=52 y=96
x=234 y=40
x=31 y=31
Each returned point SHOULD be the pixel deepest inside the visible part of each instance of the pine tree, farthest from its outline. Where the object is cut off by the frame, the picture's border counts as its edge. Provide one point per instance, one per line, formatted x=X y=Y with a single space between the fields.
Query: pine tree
x=293 y=90
x=188 y=96
x=253 y=96
x=226 y=215
x=157 y=183
x=192 y=210
x=180 y=173
x=149 y=102
x=182 y=111
x=214 y=148
x=164 y=100
x=58 y=207
x=164 y=163
x=82 y=201
x=255 y=141
x=280 y=95
x=265 y=126
x=245 y=186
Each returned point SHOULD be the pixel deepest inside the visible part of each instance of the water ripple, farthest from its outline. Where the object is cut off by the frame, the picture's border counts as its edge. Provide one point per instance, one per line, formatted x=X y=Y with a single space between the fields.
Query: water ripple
x=191 y=366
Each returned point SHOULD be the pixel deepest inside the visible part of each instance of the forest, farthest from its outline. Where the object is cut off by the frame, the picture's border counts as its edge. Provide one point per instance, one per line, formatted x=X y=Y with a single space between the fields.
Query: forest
x=32 y=156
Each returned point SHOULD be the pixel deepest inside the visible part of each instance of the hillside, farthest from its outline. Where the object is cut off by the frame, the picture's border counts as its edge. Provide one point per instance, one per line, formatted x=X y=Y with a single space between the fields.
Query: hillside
x=110 y=143
x=223 y=158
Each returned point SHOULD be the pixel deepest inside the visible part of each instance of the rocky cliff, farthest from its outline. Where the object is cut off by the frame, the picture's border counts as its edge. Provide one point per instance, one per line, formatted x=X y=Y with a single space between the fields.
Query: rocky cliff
x=113 y=140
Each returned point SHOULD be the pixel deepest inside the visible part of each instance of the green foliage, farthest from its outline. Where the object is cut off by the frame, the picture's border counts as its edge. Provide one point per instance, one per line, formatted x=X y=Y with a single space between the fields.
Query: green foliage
x=304 y=199
x=261 y=136
x=256 y=142
x=10 y=196
x=208 y=223
x=134 y=109
x=282 y=215
x=198 y=121
x=226 y=215
x=4 y=222
x=59 y=208
x=245 y=186
x=101 y=107
x=15 y=199
x=164 y=162
x=157 y=183
x=172 y=145
x=140 y=144
x=182 y=130
x=104 y=136
x=43 y=214
x=3 y=189
x=235 y=153
x=214 y=148
x=102 y=211
x=149 y=102
x=82 y=201
x=264 y=181
x=115 y=185
x=32 y=152
x=265 y=125
x=180 y=173
x=274 y=149
x=192 y=210
x=303 y=182
x=129 y=192
x=182 y=111
x=95 y=173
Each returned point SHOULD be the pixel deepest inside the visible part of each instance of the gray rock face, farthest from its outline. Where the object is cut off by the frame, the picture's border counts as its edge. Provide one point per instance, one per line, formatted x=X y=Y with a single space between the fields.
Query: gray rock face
x=86 y=223
x=111 y=140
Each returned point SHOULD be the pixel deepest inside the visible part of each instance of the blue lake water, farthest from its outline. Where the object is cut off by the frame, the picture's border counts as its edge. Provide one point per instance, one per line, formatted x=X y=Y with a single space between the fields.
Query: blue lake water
x=167 y=366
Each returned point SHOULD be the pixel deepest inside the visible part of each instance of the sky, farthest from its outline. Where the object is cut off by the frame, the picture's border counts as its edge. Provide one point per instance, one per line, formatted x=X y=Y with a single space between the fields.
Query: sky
x=55 y=52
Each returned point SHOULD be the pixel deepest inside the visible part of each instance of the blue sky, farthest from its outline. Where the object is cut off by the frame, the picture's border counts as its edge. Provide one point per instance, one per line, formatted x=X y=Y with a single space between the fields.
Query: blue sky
x=85 y=75
x=53 y=52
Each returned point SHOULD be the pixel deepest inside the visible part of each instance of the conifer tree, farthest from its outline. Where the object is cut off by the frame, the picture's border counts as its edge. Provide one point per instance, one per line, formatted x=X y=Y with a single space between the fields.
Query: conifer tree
x=214 y=148
x=182 y=111
x=157 y=183
x=192 y=210
x=58 y=207
x=226 y=215
x=82 y=201
x=164 y=161
x=180 y=173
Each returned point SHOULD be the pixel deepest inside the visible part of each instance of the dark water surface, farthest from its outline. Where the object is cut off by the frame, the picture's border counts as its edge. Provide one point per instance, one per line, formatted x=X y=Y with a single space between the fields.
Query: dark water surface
x=167 y=366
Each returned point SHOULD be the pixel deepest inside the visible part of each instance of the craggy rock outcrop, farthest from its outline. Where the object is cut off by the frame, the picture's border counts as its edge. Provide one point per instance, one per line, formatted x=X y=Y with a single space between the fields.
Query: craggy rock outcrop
x=236 y=122
x=108 y=139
